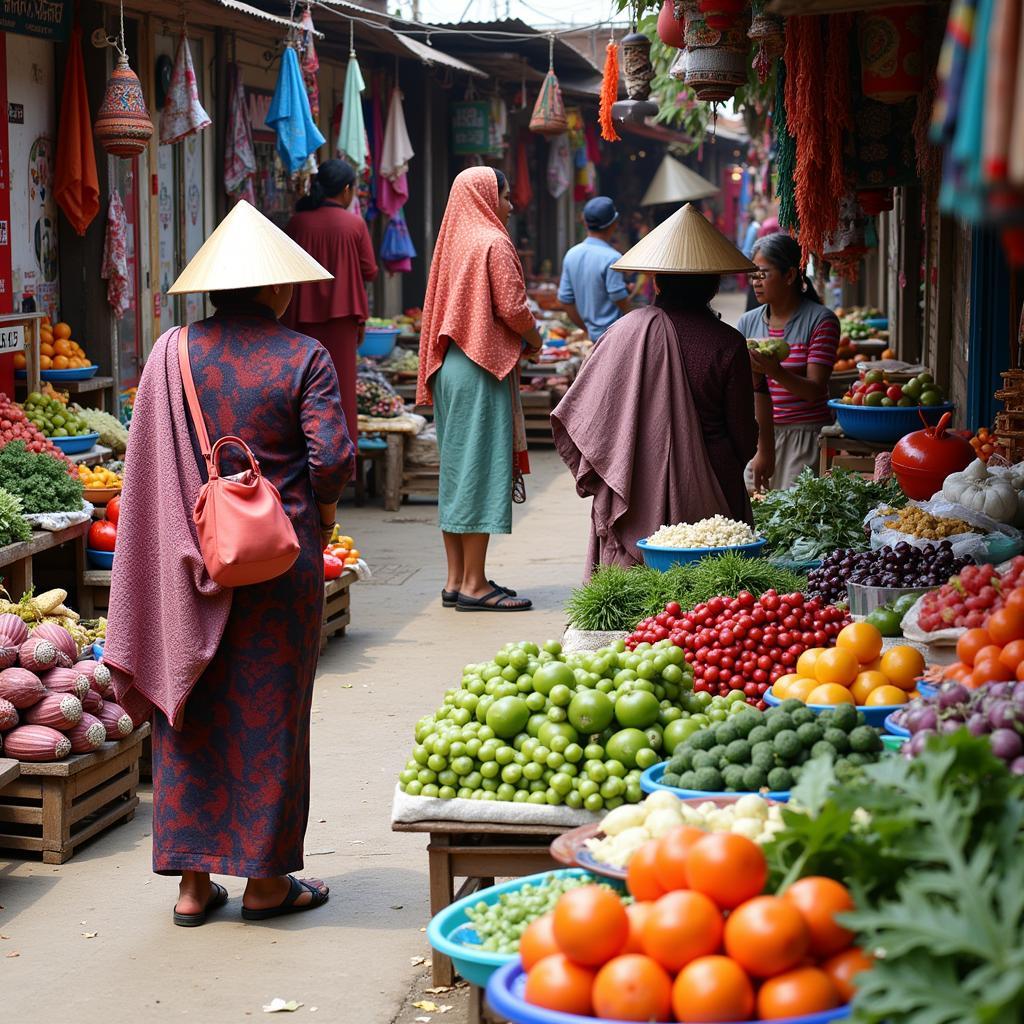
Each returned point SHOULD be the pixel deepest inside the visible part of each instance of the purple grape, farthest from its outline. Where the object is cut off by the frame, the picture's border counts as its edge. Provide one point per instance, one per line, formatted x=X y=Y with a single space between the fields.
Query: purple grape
x=1006 y=744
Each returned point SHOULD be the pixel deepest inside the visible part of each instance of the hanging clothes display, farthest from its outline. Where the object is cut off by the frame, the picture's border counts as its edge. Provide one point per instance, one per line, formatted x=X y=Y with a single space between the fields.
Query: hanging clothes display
x=239 y=152
x=352 y=144
x=396 y=249
x=559 y=165
x=396 y=152
x=114 y=269
x=182 y=115
x=290 y=118
x=498 y=126
x=310 y=61
x=522 y=188
x=76 y=187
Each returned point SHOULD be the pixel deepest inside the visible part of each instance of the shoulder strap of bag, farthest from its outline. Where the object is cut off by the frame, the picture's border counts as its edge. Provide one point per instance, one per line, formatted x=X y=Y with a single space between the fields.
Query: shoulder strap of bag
x=190 y=393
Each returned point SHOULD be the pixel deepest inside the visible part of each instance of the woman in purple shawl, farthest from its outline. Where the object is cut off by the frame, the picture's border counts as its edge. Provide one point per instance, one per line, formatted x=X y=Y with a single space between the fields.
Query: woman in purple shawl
x=659 y=425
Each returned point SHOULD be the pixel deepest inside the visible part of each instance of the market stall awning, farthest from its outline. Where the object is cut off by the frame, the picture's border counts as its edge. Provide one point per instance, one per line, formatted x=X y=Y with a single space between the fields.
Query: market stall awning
x=431 y=55
x=674 y=182
x=255 y=12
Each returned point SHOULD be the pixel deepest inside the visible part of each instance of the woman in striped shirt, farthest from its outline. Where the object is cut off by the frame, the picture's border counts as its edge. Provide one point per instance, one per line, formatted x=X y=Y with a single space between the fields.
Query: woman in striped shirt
x=790 y=309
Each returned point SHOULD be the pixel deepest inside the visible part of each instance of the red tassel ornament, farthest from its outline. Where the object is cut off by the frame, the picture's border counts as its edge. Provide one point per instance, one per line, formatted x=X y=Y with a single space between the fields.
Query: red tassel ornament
x=609 y=93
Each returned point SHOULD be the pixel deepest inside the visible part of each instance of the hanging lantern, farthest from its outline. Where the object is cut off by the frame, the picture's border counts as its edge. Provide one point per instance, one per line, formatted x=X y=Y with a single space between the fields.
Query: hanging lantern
x=721 y=14
x=638 y=71
x=893 y=47
x=123 y=124
x=766 y=30
x=670 y=28
x=717 y=62
x=548 y=117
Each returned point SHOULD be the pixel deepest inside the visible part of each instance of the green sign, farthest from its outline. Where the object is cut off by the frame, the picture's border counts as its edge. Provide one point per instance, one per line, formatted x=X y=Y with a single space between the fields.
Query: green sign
x=43 y=19
x=471 y=127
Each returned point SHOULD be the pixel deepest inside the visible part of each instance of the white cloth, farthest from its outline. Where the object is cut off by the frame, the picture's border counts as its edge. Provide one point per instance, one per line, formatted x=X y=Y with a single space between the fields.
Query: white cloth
x=396 y=151
x=559 y=165
x=408 y=809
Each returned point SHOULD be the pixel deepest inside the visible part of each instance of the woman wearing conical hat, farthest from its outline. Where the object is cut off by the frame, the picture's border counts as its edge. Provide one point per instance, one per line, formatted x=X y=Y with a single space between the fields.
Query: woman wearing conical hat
x=659 y=425
x=228 y=673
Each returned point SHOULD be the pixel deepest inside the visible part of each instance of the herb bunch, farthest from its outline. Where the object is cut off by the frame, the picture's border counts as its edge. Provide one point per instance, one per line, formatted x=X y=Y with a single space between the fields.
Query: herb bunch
x=41 y=482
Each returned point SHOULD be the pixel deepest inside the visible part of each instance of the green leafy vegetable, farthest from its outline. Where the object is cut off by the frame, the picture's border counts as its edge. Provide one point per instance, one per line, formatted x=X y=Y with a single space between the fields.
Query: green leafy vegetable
x=13 y=527
x=820 y=514
x=41 y=482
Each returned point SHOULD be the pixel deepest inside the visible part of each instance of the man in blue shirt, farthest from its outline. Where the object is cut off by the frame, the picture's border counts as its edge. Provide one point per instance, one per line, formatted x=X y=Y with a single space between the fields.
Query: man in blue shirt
x=591 y=292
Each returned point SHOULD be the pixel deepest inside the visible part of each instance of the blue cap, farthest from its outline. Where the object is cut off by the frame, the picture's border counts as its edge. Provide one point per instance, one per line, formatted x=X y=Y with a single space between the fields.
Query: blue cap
x=600 y=213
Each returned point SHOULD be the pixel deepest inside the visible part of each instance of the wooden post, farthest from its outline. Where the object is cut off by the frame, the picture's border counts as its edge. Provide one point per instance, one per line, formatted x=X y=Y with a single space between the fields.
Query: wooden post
x=393 y=466
x=442 y=892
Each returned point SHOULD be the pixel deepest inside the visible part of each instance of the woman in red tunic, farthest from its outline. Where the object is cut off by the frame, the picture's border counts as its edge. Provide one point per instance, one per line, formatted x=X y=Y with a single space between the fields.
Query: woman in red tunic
x=334 y=311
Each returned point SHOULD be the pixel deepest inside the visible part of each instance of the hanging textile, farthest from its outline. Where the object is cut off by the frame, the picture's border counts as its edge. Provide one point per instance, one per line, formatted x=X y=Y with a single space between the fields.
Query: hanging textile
x=559 y=165
x=310 y=62
x=498 y=125
x=952 y=64
x=396 y=249
x=352 y=144
x=290 y=118
x=522 y=188
x=76 y=187
x=114 y=269
x=1000 y=88
x=239 y=152
x=183 y=115
x=397 y=150
x=838 y=100
x=373 y=117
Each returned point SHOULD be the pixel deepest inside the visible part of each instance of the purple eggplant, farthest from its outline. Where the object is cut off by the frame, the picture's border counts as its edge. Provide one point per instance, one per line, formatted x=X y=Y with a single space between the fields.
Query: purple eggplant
x=1006 y=744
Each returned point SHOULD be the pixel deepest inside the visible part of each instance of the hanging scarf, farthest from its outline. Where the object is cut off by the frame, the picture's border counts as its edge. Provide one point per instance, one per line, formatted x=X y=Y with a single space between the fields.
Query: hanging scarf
x=289 y=116
x=352 y=133
x=239 y=152
x=183 y=115
x=396 y=248
x=522 y=189
x=559 y=165
x=114 y=269
x=310 y=62
x=76 y=187
x=952 y=66
x=396 y=153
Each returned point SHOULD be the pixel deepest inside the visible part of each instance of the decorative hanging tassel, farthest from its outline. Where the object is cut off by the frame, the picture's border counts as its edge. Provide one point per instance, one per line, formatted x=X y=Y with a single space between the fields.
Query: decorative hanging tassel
x=609 y=92
x=838 y=101
x=762 y=63
x=785 y=157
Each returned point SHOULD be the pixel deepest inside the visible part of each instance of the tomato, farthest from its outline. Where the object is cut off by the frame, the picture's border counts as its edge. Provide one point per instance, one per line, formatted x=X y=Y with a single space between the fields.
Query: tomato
x=990 y=652
x=102 y=536
x=114 y=509
x=637 y=914
x=990 y=672
x=713 y=988
x=727 y=868
x=333 y=567
x=556 y=983
x=819 y=900
x=1013 y=654
x=844 y=968
x=682 y=926
x=591 y=925
x=796 y=993
x=1005 y=625
x=632 y=987
x=642 y=872
x=670 y=856
x=766 y=936
x=538 y=941
x=1015 y=599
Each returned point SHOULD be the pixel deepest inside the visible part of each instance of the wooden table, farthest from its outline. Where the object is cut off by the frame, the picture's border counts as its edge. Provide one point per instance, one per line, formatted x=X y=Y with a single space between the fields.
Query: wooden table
x=9 y=770
x=848 y=453
x=16 y=559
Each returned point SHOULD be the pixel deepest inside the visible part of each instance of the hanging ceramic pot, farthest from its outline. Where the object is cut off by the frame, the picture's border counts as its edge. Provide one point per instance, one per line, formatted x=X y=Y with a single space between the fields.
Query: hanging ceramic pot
x=670 y=28
x=123 y=125
x=892 y=46
x=637 y=69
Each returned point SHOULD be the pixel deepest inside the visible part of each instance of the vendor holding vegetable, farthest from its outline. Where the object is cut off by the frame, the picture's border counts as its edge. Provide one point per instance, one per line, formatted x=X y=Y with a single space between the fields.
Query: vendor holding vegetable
x=790 y=313
x=660 y=422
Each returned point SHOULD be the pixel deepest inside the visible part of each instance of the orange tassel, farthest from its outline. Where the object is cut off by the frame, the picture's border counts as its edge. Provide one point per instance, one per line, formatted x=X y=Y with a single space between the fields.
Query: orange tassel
x=609 y=93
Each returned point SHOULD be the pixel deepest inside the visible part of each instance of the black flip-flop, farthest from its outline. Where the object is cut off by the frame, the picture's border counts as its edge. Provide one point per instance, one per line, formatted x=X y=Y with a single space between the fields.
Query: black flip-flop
x=505 y=603
x=296 y=887
x=218 y=897
x=449 y=598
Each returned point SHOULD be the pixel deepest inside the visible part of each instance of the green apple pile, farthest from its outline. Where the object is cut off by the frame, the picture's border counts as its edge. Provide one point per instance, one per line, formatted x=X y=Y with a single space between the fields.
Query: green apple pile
x=53 y=418
x=875 y=389
x=537 y=726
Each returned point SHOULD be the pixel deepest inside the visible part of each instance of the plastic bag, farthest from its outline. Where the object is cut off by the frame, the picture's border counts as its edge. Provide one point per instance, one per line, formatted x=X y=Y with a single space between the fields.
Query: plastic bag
x=992 y=542
x=56 y=521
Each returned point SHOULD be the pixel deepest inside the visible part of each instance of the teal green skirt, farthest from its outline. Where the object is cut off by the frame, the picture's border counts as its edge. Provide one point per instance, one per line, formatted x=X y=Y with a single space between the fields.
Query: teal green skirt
x=473 y=415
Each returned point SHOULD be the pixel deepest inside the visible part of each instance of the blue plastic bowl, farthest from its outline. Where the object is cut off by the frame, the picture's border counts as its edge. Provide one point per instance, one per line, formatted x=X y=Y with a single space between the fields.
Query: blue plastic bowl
x=75 y=445
x=875 y=716
x=100 y=559
x=450 y=930
x=650 y=782
x=505 y=996
x=882 y=425
x=663 y=559
x=926 y=689
x=877 y=323
x=895 y=730
x=379 y=342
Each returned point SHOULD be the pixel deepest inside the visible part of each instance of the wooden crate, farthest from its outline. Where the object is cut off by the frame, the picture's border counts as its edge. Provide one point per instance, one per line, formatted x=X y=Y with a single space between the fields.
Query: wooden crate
x=337 y=611
x=53 y=808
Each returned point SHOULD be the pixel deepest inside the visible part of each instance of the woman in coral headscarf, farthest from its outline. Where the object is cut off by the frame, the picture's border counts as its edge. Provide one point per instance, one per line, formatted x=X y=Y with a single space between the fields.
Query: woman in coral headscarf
x=476 y=329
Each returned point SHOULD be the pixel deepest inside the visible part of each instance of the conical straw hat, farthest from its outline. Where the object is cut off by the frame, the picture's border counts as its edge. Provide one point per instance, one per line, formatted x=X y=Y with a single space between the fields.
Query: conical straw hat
x=676 y=183
x=686 y=243
x=247 y=251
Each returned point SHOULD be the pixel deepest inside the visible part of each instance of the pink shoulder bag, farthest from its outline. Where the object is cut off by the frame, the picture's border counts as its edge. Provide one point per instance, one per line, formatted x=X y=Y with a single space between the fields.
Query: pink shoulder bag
x=245 y=534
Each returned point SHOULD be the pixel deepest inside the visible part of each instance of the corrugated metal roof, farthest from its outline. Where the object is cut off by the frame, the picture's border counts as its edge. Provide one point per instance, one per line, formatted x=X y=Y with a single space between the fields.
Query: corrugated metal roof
x=255 y=12
x=432 y=55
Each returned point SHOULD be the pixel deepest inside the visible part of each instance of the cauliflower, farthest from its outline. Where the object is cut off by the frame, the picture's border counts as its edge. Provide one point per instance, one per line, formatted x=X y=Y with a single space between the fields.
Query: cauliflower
x=716 y=532
x=751 y=806
x=661 y=821
x=616 y=850
x=662 y=800
x=752 y=828
x=625 y=817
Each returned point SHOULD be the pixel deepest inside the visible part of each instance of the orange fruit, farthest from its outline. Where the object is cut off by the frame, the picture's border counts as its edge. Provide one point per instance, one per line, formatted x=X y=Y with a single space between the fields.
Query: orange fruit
x=802 y=688
x=632 y=987
x=766 y=936
x=45 y=363
x=862 y=639
x=62 y=330
x=713 y=988
x=61 y=347
x=903 y=665
x=590 y=925
x=637 y=914
x=728 y=868
x=682 y=926
x=970 y=643
x=46 y=349
x=1005 y=625
x=1013 y=654
x=806 y=662
x=670 y=857
x=642 y=872
x=836 y=665
x=556 y=983
x=797 y=993
x=819 y=899
x=780 y=688
x=885 y=695
x=830 y=693
x=61 y=362
x=20 y=362
x=865 y=682
x=1015 y=599
x=844 y=968
x=538 y=941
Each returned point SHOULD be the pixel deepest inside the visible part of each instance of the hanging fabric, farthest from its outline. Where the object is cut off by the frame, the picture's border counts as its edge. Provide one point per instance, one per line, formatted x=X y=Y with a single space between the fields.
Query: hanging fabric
x=498 y=127
x=290 y=118
x=396 y=153
x=310 y=61
x=548 y=116
x=352 y=134
x=114 y=269
x=183 y=115
x=396 y=248
x=239 y=152
x=76 y=187
x=522 y=188
x=559 y=165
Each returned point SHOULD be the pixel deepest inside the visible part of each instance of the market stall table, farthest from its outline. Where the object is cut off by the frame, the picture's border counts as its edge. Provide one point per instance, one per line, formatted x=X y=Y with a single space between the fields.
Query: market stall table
x=16 y=559
x=397 y=483
x=9 y=770
x=836 y=449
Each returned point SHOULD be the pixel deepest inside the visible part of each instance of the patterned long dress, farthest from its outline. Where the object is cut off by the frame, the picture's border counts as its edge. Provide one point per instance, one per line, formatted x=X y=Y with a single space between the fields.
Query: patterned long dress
x=231 y=789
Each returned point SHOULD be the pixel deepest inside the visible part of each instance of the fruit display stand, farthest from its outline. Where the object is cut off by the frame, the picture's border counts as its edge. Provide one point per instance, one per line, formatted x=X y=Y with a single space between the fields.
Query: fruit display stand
x=95 y=387
x=56 y=806
x=337 y=607
x=397 y=484
x=32 y=324
x=9 y=770
x=16 y=559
